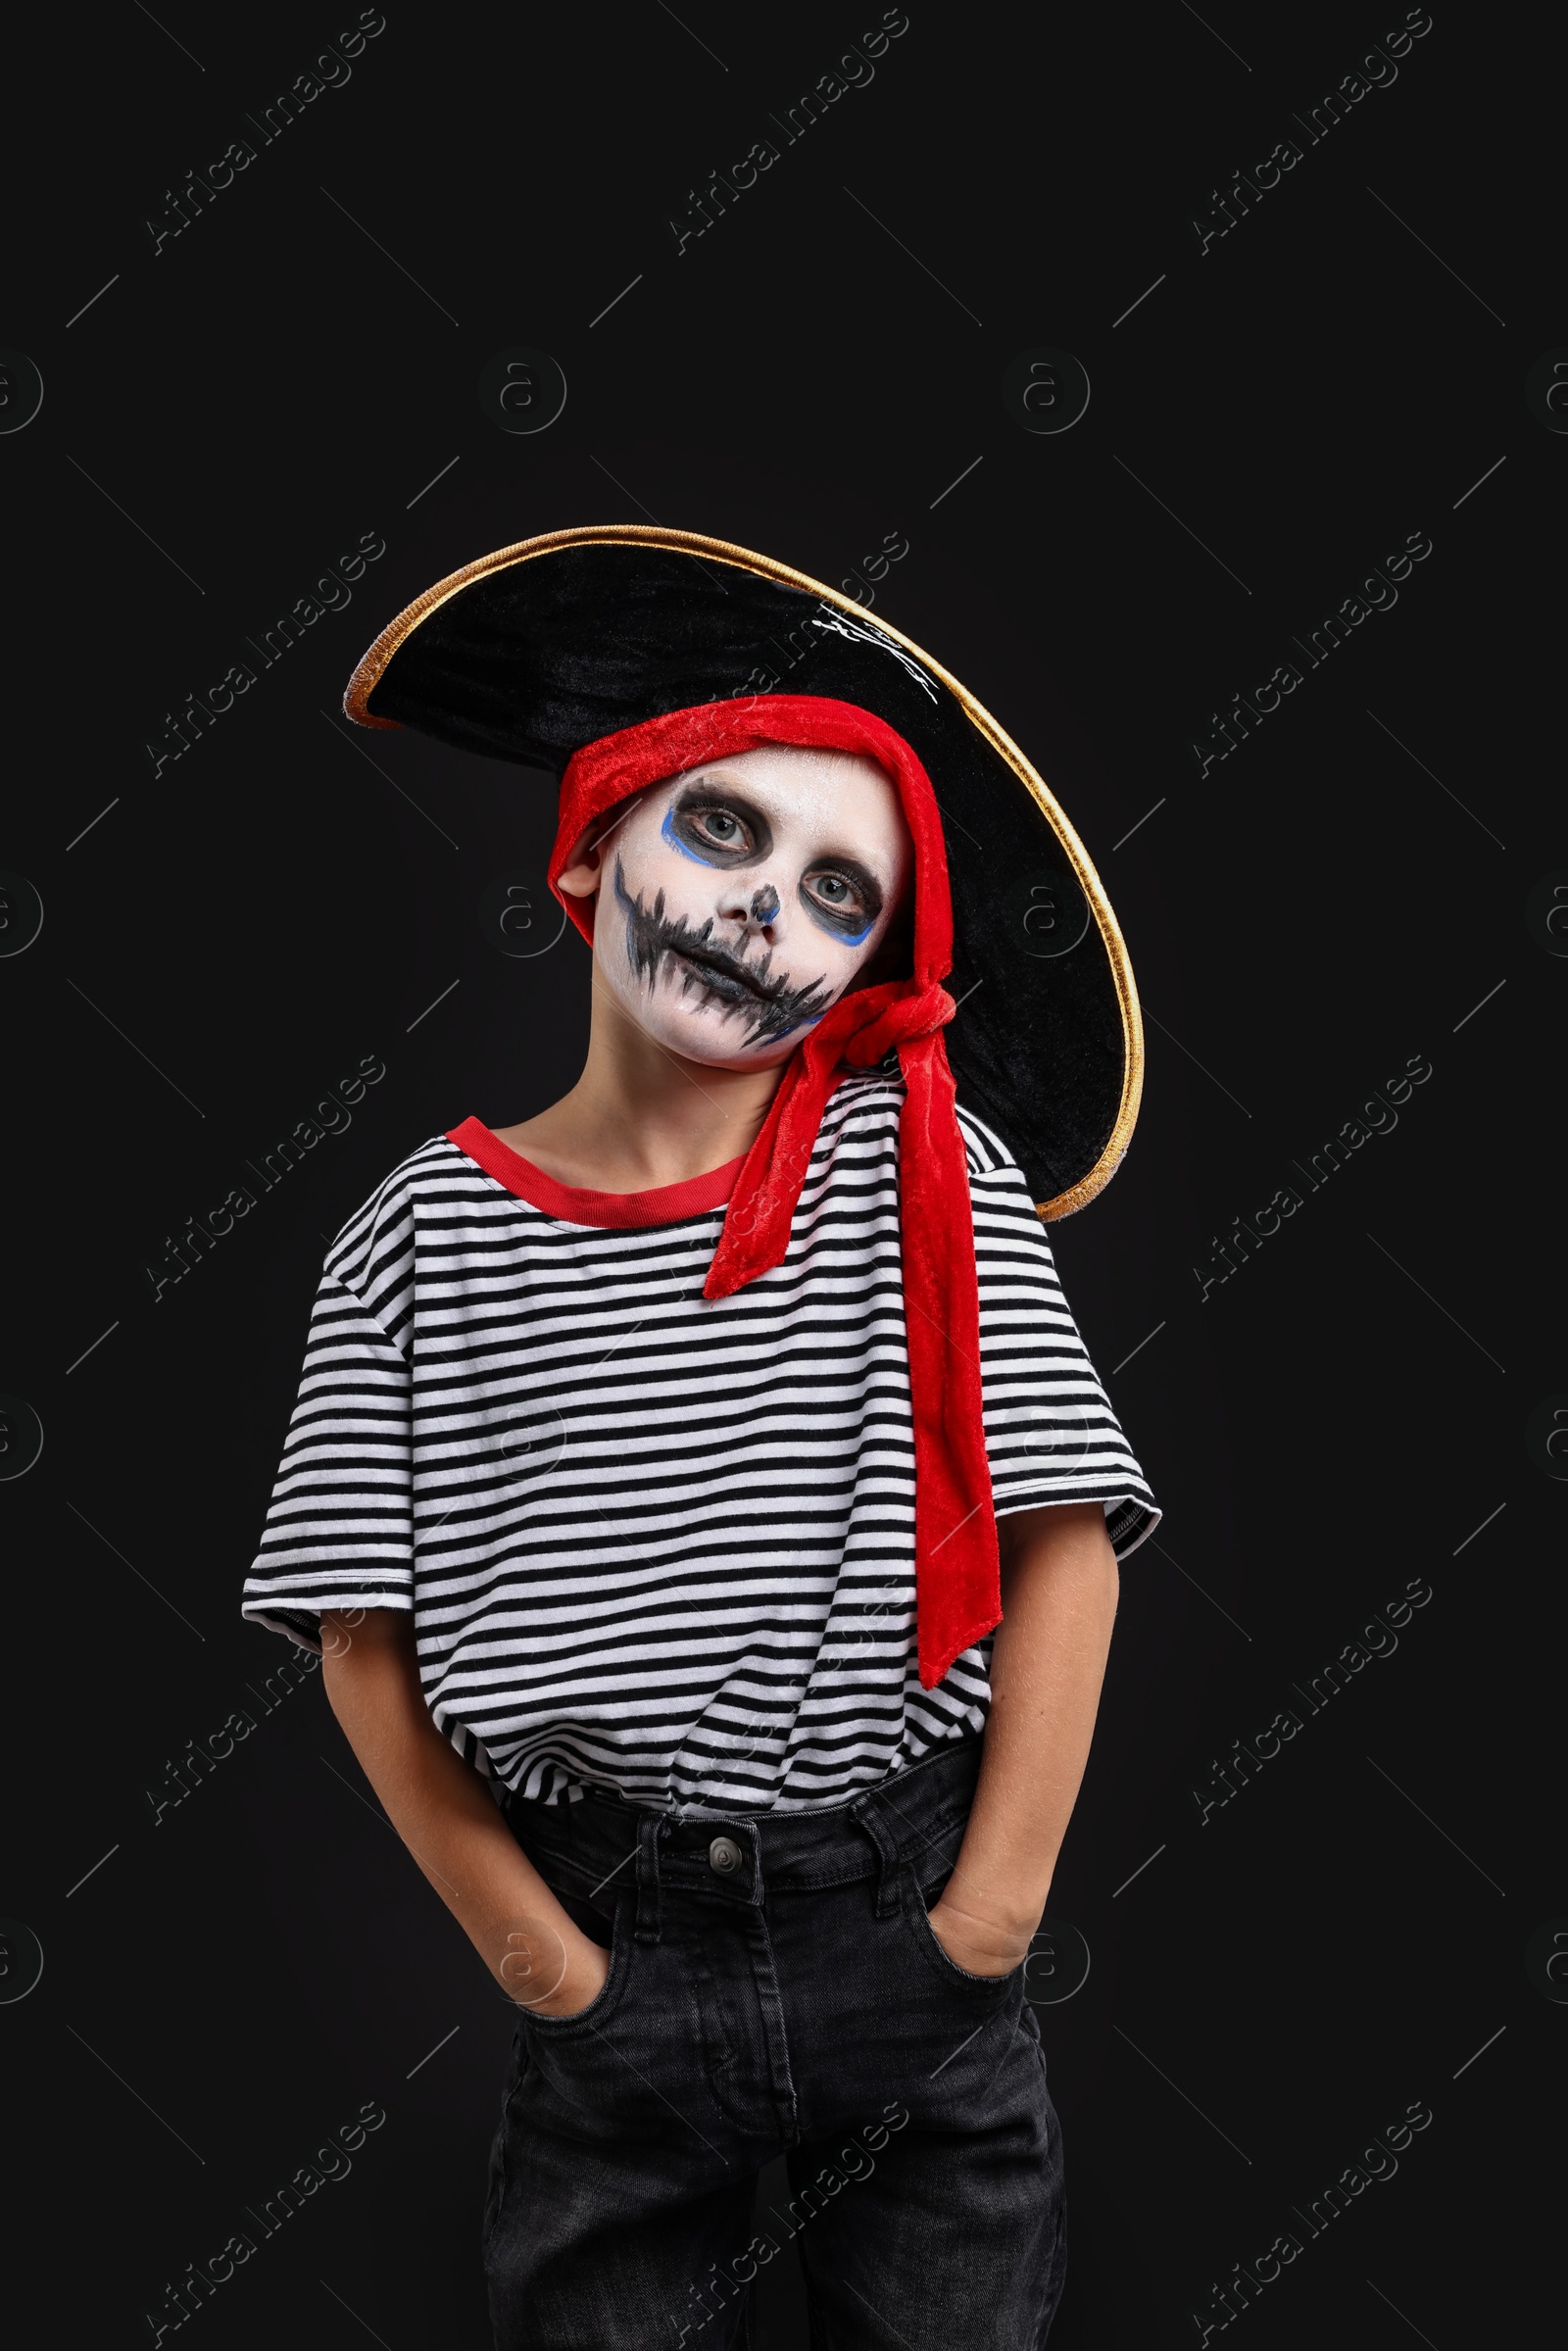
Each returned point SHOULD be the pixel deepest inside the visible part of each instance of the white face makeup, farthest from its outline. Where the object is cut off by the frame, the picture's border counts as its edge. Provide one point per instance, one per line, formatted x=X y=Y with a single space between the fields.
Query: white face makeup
x=739 y=901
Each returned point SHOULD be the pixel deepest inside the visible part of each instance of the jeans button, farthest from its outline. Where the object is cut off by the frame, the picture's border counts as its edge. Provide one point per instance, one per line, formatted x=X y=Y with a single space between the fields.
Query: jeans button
x=724 y=1855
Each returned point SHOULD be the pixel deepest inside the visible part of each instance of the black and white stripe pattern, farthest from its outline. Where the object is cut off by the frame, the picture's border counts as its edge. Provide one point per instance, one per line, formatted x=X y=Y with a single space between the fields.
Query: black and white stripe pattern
x=652 y=1542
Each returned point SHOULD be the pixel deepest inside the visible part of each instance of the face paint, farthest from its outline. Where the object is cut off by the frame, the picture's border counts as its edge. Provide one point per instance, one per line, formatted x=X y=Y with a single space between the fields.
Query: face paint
x=667 y=832
x=739 y=901
x=823 y=910
x=739 y=990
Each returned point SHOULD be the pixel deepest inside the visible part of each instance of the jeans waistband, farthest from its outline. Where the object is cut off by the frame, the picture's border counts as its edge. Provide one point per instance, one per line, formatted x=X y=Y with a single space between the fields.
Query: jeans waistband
x=601 y=1849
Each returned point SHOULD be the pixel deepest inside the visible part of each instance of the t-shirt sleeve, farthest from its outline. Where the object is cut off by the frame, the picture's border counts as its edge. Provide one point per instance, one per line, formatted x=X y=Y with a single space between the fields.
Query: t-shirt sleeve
x=339 y=1532
x=1050 y=1433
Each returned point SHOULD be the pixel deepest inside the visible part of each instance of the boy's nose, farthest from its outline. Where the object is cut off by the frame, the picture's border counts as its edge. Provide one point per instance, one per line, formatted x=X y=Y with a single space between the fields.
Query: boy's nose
x=756 y=913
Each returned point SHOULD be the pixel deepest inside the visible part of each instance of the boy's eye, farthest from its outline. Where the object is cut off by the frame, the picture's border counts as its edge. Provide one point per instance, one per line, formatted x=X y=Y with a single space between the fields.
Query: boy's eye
x=715 y=828
x=847 y=905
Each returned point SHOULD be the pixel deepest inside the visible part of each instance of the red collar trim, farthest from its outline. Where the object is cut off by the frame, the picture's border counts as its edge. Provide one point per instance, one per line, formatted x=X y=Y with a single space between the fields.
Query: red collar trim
x=667 y=1203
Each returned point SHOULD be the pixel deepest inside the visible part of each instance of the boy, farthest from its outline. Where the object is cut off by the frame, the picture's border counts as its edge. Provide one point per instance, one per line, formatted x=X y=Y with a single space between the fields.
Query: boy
x=711 y=1460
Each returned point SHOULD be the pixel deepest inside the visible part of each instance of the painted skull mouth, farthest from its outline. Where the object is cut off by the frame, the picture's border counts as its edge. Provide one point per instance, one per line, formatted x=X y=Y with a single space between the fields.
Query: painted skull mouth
x=719 y=971
x=770 y=1005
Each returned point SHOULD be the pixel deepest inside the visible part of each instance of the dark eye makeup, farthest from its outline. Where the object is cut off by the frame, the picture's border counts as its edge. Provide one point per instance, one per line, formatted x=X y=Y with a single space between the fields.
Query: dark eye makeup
x=719 y=826
x=843 y=897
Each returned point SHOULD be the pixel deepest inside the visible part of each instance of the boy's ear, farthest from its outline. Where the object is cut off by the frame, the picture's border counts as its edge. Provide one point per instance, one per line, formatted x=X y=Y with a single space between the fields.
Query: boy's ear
x=583 y=871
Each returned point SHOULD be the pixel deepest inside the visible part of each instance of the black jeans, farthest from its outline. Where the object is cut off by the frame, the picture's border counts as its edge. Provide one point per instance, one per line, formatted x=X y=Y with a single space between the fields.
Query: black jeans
x=774 y=1987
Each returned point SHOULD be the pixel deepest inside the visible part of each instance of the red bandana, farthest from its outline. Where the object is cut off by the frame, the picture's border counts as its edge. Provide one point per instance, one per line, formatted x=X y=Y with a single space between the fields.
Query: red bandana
x=957 y=1577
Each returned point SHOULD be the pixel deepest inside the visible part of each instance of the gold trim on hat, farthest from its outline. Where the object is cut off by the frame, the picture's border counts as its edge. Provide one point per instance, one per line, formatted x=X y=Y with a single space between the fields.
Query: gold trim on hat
x=367 y=677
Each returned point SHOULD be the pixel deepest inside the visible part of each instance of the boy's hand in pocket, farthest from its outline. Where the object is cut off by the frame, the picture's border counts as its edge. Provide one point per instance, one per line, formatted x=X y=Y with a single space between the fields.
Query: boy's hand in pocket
x=551 y=1973
x=979 y=1945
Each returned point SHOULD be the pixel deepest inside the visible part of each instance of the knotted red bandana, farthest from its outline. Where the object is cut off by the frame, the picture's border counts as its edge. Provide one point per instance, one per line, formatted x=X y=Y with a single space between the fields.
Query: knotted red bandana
x=957 y=1577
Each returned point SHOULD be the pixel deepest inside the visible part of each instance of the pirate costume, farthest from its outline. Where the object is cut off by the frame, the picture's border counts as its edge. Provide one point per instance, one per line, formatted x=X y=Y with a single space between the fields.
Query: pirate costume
x=691 y=1493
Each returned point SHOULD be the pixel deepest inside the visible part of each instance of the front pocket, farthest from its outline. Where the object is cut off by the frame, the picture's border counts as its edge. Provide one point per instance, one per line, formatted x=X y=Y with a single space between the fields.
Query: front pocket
x=605 y=2000
x=635 y=2066
x=915 y=1910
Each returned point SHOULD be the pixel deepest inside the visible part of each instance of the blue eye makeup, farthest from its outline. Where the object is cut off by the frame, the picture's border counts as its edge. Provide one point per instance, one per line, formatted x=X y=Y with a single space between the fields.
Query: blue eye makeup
x=844 y=900
x=667 y=832
x=716 y=827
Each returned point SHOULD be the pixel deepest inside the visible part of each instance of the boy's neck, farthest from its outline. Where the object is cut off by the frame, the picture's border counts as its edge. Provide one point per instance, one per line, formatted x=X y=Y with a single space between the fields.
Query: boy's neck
x=641 y=1117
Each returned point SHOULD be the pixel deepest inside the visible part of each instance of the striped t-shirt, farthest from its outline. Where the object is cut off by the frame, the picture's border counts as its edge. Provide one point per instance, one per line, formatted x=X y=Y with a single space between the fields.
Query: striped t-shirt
x=655 y=1544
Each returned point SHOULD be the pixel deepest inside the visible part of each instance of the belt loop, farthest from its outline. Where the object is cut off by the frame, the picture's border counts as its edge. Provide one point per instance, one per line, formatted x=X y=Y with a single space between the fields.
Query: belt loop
x=863 y=1812
x=650 y=1826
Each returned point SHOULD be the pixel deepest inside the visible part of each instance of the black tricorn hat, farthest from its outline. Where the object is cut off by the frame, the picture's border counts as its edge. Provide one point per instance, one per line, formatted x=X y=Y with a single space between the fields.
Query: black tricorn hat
x=539 y=649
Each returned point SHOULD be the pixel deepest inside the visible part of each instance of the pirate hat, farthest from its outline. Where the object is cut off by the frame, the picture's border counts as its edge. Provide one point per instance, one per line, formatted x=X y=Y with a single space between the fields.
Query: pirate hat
x=545 y=647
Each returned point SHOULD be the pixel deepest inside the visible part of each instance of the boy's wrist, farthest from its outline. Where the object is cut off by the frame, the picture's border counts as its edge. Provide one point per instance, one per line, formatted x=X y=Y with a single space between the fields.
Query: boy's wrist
x=529 y=1959
x=1008 y=1915
x=979 y=1945
x=546 y=1971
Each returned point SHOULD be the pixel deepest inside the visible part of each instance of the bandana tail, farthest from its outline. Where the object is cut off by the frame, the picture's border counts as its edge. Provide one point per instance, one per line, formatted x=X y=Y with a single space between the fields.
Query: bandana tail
x=957 y=1560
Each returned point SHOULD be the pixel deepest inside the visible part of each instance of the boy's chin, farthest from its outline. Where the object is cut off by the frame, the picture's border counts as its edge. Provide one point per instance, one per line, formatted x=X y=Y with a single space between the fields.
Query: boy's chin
x=716 y=1043
x=705 y=1036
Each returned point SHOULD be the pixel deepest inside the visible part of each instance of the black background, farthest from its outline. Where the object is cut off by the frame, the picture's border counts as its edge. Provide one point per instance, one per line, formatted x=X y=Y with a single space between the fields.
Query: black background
x=224 y=939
